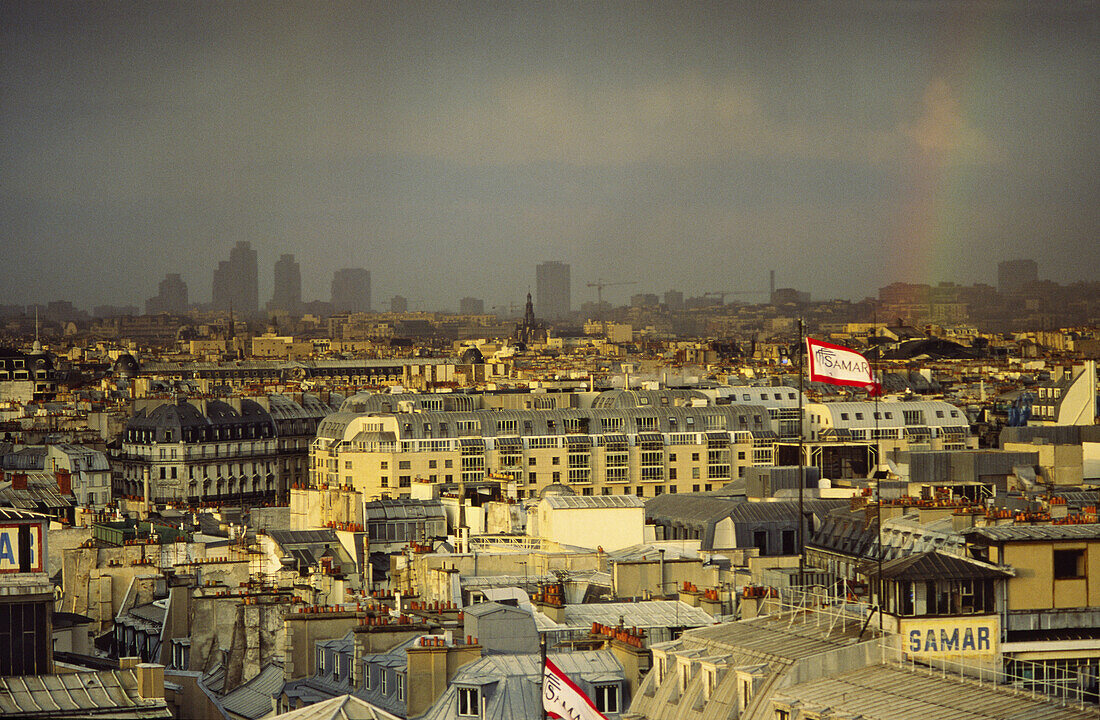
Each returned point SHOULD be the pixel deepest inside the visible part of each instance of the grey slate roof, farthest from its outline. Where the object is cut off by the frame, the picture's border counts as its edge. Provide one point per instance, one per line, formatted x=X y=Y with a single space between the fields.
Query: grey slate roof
x=934 y=565
x=254 y=698
x=1033 y=533
x=303 y=537
x=593 y=501
x=511 y=684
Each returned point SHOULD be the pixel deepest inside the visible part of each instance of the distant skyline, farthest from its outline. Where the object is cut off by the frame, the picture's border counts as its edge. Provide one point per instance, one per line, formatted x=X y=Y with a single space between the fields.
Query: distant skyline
x=450 y=148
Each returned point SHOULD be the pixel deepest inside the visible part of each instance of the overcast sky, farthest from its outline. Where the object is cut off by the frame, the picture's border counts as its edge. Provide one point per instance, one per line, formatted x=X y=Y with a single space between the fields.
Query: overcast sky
x=449 y=148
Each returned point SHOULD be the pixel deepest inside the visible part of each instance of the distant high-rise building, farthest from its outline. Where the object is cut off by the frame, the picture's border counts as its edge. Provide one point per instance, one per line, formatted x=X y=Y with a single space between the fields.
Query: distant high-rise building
x=399 y=304
x=471 y=306
x=236 y=281
x=288 y=285
x=171 y=297
x=674 y=300
x=644 y=300
x=1015 y=274
x=351 y=290
x=552 y=290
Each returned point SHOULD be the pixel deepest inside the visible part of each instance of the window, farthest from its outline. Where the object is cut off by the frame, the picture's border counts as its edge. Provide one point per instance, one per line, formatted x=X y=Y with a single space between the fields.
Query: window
x=695 y=457
x=606 y=698
x=400 y=687
x=404 y=464
x=760 y=540
x=672 y=457
x=843 y=416
x=432 y=463
x=366 y=676
x=448 y=463
x=384 y=481
x=404 y=481
x=859 y=416
x=556 y=460
x=557 y=477
x=385 y=465
x=320 y=660
x=383 y=681
x=1069 y=564
x=672 y=473
x=469 y=704
x=788 y=539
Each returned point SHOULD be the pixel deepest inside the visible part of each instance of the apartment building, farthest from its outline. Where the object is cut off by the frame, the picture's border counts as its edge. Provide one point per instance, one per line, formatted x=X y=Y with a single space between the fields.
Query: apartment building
x=895 y=424
x=208 y=450
x=646 y=450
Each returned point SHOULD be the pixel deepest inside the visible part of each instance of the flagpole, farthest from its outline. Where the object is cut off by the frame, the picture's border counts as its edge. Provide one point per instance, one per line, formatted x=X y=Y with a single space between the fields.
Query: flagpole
x=878 y=483
x=542 y=674
x=801 y=471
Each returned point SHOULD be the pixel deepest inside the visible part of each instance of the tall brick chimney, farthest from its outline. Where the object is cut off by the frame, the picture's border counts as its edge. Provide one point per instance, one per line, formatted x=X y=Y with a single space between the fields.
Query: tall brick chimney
x=64 y=482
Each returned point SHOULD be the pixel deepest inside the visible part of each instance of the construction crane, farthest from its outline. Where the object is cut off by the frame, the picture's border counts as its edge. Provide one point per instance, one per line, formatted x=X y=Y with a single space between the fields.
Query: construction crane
x=600 y=284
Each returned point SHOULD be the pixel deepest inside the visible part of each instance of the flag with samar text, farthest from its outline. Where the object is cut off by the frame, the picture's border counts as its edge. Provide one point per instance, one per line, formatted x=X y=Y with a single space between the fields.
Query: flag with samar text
x=837 y=365
x=561 y=698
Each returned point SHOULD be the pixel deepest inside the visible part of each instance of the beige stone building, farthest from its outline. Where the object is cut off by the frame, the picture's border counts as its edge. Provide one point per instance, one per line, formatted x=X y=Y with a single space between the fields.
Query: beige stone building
x=643 y=451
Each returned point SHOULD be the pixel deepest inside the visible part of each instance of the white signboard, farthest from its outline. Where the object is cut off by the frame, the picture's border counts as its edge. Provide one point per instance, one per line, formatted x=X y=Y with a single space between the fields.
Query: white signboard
x=9 y=548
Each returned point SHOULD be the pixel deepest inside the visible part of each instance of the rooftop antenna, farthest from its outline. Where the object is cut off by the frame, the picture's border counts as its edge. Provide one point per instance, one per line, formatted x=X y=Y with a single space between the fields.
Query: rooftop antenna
x=37 y=347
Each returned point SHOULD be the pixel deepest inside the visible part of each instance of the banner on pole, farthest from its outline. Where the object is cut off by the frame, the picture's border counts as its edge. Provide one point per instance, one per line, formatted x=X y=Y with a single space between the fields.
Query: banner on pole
x=561 y=698
x=837 y=365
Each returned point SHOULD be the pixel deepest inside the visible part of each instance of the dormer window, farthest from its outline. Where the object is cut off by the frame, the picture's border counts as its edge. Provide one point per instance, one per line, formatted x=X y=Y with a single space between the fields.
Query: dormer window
x=606 y=697
x=469 y=702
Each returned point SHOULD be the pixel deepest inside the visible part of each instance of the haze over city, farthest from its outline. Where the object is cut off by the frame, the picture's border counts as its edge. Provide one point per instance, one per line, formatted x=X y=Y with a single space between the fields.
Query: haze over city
x=450 y=148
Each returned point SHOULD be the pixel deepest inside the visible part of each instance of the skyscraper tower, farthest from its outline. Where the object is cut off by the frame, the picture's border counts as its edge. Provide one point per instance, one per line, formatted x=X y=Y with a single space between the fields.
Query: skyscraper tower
x=171 y=296
x=351 y=290
x=287 y=294
x=552 y=290
x=236 y=281
x=1013 y=275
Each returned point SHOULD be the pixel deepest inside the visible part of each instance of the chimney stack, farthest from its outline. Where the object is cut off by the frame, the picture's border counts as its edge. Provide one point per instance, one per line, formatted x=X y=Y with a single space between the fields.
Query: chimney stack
x=150 y=677
x=64 y=482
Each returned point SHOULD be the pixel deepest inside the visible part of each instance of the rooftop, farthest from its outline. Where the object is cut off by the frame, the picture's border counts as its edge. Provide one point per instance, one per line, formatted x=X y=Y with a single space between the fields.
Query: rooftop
x=892 y=692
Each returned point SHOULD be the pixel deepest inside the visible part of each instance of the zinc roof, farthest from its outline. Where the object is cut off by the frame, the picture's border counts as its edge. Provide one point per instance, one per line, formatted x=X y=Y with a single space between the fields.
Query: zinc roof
x=78 y=695
x=891 y=692
x=342 y=707
x=646 y=614
x=778 y=637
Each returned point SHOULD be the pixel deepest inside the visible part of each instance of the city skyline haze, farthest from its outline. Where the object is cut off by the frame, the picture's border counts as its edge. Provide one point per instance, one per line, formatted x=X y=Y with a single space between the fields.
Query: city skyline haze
x=448 y=149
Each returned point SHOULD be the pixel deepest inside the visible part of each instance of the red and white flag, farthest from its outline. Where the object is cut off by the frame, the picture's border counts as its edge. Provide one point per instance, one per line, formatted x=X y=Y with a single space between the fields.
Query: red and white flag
x=837 y=365
x=561 y=698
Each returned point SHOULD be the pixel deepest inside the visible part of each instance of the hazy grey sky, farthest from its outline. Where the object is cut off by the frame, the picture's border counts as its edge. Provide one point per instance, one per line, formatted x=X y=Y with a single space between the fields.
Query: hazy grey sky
x=448 y=148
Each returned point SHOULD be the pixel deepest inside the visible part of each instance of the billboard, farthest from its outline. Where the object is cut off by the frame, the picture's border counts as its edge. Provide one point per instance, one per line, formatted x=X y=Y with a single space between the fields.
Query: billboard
x=13 y=556
x=972 y=636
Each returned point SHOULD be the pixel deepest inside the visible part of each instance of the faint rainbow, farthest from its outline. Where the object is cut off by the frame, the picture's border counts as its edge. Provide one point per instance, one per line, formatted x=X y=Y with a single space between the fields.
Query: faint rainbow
x=926 y=243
